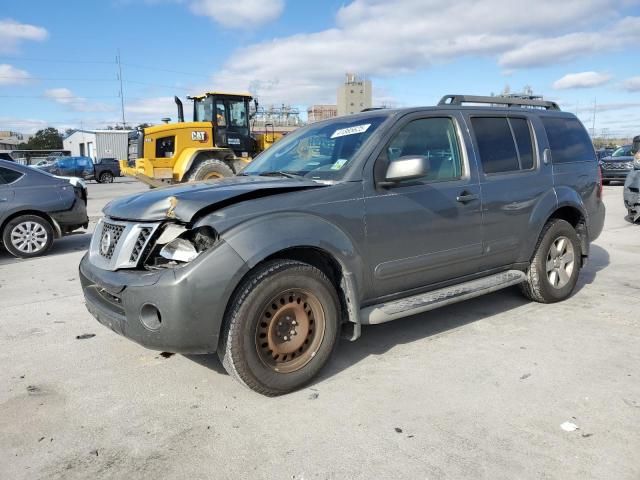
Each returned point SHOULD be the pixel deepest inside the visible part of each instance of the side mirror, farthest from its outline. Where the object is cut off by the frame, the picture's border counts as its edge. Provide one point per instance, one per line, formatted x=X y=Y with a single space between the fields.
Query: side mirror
x=405 y=168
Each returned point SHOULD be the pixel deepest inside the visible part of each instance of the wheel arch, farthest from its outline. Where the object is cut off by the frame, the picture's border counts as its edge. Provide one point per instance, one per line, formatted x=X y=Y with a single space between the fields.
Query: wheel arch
x=57 y=231
x=189 y=156
x=311 y=240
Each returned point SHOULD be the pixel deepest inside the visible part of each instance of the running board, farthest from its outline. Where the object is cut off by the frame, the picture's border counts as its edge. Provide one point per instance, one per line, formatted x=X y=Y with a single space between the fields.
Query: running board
x=385 y=312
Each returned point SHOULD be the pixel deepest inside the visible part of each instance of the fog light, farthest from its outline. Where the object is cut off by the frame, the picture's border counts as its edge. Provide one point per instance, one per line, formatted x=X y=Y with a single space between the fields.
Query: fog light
x=150 y=316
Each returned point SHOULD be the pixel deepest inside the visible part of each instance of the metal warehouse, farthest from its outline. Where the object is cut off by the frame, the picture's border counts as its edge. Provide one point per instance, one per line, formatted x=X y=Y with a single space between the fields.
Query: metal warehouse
x=98 y=143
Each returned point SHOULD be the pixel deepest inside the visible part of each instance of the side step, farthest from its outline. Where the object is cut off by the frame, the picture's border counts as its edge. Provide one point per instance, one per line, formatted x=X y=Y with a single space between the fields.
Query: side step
x=385 y=312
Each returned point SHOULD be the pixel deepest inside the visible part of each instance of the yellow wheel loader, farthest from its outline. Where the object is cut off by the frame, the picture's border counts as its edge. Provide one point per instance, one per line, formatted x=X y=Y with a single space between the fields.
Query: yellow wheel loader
x=216 y=144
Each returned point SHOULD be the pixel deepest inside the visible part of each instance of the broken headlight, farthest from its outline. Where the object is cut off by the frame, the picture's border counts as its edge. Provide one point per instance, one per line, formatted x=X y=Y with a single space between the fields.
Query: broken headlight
x=178 y=245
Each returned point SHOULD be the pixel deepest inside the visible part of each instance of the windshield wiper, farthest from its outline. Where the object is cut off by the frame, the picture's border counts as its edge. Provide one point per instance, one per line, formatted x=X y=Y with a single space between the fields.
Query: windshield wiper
x=280 y=173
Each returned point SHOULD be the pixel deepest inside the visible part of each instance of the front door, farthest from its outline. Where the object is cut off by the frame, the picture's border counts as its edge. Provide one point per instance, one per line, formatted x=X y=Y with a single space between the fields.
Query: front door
x=7 y=177
x=232 y=126
x=422 y=232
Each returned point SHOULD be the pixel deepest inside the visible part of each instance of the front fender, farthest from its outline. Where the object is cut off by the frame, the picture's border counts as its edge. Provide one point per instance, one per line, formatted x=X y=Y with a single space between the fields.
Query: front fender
x=262 y=237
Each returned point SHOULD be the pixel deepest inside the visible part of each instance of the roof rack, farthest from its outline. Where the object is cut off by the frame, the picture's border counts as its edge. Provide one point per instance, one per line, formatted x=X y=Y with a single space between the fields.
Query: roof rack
x=506 y=101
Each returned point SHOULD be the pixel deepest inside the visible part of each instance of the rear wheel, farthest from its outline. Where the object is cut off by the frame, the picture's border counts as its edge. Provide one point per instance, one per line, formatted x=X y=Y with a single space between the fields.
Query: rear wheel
x=105 y=177
x=27 y=236
x=281 y=327
x=209 y=169
x=554 y=270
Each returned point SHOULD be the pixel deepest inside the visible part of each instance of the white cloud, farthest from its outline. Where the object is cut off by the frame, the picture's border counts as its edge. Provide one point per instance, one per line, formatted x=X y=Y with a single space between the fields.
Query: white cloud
x=12 y=33
x=238 y=13
x=379 y=38
x=151 y=110
x=66 y=97
x=10 y=75
x=582 y=80
x=632 y=84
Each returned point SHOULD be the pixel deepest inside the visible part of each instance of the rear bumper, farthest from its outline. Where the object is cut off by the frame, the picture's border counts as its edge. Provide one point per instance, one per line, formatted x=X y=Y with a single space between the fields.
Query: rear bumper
x=191 y=301
x=75 y=217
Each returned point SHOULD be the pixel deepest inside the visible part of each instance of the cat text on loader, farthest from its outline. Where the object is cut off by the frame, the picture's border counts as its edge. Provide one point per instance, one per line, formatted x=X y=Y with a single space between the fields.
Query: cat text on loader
x=218 y=143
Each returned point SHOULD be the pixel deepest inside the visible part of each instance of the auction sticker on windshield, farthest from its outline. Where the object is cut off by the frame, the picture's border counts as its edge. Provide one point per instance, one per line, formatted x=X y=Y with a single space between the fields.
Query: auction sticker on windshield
x=343 y=132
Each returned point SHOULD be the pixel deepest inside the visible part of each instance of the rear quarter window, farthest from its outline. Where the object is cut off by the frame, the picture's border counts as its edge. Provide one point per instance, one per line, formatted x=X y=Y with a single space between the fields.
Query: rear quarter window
x=8 y=176
x=568 y=140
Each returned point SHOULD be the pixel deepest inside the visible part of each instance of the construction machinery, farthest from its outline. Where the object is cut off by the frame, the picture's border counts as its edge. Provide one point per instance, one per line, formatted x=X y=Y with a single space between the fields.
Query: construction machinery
x=216 y=144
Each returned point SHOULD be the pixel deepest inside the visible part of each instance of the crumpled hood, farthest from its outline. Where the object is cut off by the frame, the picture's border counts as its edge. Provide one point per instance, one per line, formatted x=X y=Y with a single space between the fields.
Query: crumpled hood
x=183 y=202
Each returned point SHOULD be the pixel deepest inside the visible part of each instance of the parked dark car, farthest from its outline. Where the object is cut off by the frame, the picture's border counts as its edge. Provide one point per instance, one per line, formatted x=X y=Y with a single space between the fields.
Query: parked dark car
x=103 y=171
x=632 y=184
x=604 y=152
x=617 y=166
x=36 y=208
x=6 y=156
x=403 y=211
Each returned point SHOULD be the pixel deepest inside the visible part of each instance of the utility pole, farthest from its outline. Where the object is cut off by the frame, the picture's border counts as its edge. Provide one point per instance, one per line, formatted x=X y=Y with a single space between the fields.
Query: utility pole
x=121 y=90
x=593 y=127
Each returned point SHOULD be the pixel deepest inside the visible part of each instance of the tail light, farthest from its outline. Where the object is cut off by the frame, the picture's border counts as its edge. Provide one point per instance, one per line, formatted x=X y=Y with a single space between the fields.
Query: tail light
x=599 y=181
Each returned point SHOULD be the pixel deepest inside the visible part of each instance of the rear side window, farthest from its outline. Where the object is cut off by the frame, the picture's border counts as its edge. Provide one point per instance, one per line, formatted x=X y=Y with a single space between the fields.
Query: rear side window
x=8 y=176
x=505 y=145
x=568 y=140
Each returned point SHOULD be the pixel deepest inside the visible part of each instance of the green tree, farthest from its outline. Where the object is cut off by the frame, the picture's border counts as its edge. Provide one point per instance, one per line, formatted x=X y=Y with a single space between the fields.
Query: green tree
x=46 y=139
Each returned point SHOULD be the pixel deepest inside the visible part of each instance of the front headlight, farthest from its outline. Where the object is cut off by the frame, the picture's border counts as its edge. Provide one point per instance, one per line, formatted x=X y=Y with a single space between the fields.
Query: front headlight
x=178 y=245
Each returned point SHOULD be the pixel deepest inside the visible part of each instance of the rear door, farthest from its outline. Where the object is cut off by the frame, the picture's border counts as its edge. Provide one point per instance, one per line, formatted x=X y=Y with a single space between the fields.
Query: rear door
x=423 y=231
x=66 y=167
x=512 y=179
x=84 y=168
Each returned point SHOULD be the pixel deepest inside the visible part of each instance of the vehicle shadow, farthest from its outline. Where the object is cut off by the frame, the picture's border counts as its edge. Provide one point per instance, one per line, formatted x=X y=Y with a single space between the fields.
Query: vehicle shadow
x=61 y=246
x=598 y=260
x=378 y=339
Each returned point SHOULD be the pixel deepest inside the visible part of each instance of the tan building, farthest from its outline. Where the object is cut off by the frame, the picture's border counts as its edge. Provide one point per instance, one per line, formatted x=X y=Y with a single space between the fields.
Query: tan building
x=354 y=96
x=316 y=113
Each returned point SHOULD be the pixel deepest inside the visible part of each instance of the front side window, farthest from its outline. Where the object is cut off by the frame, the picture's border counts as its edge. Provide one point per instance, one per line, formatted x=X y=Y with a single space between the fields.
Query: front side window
x=321 y=151
x=203 y=110
x=66 y=162
x=221 y=116
x=432 y=138
x=8 y=176
x=568 y=140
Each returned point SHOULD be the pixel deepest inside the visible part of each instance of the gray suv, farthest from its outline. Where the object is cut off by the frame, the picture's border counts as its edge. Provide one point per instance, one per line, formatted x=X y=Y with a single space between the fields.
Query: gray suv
x=353 y=221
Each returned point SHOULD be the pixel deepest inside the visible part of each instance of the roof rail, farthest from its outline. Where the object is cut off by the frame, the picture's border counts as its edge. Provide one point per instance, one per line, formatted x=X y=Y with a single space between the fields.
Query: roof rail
x=507 y=101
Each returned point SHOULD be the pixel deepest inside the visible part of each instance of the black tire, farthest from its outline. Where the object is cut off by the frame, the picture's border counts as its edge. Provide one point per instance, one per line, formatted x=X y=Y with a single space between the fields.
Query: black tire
x=238 y=348
x=20 y=223
x=538 y=286
x=209 y=169
x=105 y=177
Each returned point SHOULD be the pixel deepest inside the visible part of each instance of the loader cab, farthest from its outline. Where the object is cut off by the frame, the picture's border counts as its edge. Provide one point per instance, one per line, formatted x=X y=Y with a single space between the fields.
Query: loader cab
x=229 y=114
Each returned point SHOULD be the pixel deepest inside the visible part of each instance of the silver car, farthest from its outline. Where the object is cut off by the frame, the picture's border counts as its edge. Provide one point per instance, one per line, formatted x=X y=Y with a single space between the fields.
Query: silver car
x=36 y=208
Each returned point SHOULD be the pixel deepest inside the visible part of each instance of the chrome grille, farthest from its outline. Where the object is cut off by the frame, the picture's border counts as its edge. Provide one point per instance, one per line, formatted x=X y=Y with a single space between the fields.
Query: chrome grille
x=141 y=242
x=109 y=238
x=116 y=244
x=617 y=165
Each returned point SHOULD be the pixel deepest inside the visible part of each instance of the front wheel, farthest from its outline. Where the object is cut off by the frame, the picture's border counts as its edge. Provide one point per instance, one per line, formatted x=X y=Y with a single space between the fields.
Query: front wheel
x=27 y=236
x=555 y=266
x=280 y=328
x=210 y=169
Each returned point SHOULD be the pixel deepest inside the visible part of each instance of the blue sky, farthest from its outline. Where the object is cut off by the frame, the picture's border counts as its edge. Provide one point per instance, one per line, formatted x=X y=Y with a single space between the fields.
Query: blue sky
x=57 y=59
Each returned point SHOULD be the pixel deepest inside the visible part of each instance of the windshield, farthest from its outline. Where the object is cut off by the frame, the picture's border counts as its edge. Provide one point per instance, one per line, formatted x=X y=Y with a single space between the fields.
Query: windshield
x=621 y=152
x=322 y=151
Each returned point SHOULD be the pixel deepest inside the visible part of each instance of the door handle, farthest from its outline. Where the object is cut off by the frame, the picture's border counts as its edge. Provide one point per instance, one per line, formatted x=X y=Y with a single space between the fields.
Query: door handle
x=4 y=199
x=465 y=197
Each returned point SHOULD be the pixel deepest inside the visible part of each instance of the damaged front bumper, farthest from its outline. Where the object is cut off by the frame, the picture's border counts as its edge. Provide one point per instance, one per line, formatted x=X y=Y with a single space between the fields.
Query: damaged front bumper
x=632 y=195
x=177 y=310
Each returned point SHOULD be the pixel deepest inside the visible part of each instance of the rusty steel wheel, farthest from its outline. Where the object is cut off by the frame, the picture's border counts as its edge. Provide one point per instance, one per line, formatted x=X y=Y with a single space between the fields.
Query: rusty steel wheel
x=290 y=330
x=281 y=326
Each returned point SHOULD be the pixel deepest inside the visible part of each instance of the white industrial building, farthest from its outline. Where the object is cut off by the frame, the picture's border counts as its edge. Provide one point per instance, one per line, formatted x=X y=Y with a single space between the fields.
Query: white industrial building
x=98 y=143
x=354 y=95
